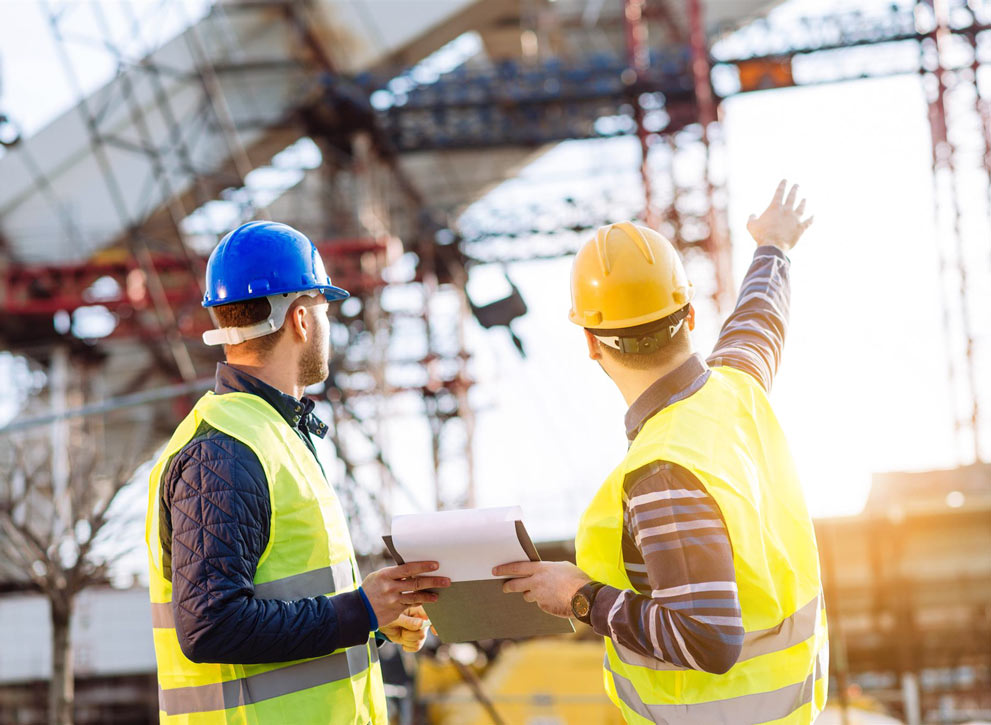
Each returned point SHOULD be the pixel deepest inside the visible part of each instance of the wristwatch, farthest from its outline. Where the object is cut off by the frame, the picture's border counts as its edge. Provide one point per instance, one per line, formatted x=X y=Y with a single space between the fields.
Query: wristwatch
x=581 y=603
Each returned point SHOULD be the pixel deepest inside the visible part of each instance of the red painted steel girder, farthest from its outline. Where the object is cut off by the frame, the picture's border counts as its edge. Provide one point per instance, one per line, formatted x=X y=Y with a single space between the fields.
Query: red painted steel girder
x=47 y=289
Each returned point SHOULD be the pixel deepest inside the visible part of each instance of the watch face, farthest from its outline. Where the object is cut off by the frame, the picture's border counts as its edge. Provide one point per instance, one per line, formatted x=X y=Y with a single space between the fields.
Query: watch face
x=579 y=604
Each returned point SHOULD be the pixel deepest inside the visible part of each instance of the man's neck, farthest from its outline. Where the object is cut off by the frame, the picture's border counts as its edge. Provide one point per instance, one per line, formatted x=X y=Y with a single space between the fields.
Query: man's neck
x=633 y=383
x=280 y=377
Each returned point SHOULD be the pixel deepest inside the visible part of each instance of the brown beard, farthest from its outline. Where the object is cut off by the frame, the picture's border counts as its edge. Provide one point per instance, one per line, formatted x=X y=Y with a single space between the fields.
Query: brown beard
x=313 y=364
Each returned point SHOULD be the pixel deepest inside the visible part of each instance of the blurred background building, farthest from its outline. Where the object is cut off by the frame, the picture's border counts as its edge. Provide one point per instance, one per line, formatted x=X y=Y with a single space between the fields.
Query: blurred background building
x=448 y=156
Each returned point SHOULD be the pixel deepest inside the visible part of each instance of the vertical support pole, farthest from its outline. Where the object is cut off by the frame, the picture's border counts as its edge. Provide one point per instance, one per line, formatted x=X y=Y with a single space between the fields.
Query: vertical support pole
x=945 y=193
x=910 y=698
x=463 y=383
x=428 y=274
x=983 y=108
x=700 y=68
x=638 y=56
x=717 y=242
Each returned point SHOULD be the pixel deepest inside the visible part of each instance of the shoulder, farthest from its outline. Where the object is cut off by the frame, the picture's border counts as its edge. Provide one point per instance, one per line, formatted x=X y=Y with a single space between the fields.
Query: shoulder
x=744 y=378
x=662 y=477
x=214 y=459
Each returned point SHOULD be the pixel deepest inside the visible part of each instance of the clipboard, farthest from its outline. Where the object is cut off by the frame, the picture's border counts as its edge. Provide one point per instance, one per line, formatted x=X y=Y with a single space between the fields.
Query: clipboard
x=476 y=609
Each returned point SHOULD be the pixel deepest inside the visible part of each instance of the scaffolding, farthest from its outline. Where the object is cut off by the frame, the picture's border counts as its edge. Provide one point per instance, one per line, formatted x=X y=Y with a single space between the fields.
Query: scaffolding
x=650 y=74
x=179 y=113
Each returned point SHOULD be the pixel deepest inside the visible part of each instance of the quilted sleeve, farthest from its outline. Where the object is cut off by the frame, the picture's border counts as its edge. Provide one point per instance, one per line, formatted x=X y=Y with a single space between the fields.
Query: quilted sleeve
x=217 y=495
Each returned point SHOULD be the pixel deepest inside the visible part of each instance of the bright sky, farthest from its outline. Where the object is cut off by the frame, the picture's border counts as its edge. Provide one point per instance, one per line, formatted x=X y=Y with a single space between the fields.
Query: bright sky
x=33 y=85
x=863 y=386
x=857 y=391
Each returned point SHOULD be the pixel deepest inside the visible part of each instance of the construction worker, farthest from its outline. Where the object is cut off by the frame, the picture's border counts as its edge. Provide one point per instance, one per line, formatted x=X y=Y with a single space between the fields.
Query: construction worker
x=258 y=610
x=697 y=559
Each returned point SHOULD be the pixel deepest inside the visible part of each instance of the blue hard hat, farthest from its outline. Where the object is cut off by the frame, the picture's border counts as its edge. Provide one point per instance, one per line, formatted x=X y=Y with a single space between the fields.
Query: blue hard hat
x=262 y=258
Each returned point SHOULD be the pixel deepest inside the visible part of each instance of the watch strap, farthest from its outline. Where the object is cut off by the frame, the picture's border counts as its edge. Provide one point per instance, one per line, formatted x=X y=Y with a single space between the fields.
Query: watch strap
x=589 y=591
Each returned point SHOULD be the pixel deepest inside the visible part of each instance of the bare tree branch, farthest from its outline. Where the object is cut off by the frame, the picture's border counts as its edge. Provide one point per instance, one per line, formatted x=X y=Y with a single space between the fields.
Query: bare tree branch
x=29 y=536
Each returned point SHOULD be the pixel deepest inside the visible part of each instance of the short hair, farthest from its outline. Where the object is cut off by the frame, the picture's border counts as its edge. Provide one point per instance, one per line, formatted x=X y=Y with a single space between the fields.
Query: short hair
x=249 y=312
x=655 y=359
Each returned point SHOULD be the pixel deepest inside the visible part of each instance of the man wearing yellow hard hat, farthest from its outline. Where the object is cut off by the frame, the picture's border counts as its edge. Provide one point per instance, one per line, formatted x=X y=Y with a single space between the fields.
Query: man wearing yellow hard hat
x=697 y=559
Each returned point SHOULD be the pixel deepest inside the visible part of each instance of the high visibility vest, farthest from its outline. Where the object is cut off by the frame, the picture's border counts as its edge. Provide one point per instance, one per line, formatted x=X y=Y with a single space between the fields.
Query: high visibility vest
x=309 y=553
x=727 y=435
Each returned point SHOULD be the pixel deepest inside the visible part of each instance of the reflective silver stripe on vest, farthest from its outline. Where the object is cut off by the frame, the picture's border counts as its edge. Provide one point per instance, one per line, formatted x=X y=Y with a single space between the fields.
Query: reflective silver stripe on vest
x=308 y=584
x=314 y=583
x=752 y=709
x=795 y=629
x=266 y=685
x=161 y=615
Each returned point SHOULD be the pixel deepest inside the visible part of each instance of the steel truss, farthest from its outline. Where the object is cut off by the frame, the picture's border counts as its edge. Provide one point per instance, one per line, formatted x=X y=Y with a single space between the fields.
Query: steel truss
x=150 y=281
x=663 y=97
x=952 y=58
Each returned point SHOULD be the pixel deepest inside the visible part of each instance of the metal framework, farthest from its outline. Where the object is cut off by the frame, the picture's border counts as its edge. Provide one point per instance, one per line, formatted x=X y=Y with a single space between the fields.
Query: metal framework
x=532 y=102
x=150 y=281
x=663 y=97
x=951 y=37
x=400 y=344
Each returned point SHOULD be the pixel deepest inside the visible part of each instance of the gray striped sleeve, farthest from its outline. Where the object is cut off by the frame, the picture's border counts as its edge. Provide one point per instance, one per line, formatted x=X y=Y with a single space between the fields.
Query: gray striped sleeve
x=688 y=612
x=753 y=336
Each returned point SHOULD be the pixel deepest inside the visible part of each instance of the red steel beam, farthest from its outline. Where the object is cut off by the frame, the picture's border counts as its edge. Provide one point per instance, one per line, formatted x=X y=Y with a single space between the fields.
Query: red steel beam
x=47 y=289
x=638 y=55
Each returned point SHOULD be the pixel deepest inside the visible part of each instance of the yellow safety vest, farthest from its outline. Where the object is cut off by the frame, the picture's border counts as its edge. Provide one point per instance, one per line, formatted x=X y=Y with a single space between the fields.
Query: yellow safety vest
x=727 y=435
x=309 y=553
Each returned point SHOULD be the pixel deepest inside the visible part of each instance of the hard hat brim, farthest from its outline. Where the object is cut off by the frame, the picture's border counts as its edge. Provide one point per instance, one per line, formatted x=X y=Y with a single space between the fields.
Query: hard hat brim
x=332 y=293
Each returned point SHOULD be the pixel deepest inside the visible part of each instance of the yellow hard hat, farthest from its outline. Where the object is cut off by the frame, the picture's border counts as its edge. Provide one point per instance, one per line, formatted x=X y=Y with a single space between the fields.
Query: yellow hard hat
x=626 y=276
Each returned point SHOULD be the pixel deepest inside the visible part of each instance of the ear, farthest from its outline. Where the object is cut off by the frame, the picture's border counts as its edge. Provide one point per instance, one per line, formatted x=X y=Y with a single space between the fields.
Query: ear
x=594 y=346
x=690 y=319
x=300 y=321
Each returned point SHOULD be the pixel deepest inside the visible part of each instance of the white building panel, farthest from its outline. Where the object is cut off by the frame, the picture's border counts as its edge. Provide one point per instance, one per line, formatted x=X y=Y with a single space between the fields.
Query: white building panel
x=111 y=632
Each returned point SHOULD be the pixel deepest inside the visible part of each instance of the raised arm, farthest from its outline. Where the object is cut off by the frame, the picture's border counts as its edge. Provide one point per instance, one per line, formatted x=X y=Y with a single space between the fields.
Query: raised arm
x=753 y=336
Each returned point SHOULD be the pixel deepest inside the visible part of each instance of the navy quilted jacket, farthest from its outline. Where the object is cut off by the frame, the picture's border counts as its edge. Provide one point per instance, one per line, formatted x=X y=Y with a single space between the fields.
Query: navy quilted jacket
x=214 y=528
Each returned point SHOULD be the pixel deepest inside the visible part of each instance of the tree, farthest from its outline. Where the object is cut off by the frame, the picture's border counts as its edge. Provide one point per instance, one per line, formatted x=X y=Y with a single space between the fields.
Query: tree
x=58 y=487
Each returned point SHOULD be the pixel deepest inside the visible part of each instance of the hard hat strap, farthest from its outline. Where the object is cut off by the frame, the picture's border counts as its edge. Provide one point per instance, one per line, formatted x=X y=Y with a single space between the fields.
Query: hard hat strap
x=276 y=319
x=647 y=338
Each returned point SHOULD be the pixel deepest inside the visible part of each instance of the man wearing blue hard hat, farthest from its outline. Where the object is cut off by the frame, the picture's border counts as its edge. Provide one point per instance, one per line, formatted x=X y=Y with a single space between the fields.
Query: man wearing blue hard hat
x=259 y=613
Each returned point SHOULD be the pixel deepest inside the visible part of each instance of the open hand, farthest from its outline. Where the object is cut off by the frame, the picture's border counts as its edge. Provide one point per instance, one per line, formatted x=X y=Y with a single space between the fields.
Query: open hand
x=409 y=631
x=551 y=584
x=780 y=225
x=391 y=590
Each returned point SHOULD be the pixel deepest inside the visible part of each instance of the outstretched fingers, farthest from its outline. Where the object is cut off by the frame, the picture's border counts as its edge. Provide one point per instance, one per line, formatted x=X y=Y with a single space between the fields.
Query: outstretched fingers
x=790 y=201
x=779 y=194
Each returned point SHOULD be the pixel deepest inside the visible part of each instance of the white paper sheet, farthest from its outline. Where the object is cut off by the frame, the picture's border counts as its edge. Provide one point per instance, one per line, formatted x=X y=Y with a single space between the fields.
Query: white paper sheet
x=466 y=543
